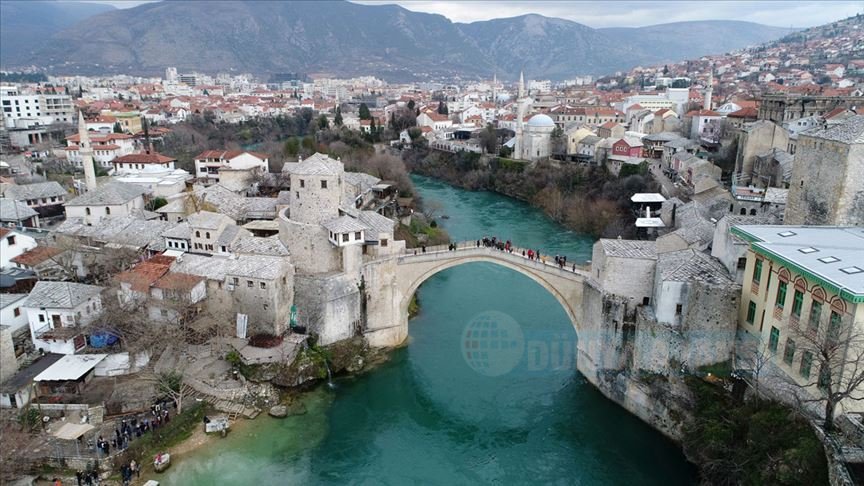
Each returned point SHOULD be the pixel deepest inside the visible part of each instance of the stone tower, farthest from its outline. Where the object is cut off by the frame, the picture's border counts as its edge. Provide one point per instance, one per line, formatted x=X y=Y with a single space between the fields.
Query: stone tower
x=826 y=187
x=86 y=152
x=316 y=189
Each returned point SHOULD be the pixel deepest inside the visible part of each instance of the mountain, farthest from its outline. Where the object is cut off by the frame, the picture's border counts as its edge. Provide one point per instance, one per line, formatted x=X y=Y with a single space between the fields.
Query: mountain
x=25 y=25
x=688 y=40
x=341 y=38
x=548 y=47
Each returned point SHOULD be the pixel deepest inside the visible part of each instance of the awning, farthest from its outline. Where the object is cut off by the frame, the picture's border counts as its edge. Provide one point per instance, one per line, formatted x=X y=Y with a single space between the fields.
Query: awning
x=71 y=431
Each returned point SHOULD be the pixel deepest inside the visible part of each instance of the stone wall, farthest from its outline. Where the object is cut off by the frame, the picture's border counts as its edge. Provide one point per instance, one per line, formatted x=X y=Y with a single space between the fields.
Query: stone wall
x=328 y=306
x=826 y=187
x=311 y=250
x=8 y=362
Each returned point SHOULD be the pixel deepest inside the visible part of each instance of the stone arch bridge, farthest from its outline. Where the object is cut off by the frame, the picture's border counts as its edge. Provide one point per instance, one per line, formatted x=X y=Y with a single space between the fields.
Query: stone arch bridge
x=397 y=279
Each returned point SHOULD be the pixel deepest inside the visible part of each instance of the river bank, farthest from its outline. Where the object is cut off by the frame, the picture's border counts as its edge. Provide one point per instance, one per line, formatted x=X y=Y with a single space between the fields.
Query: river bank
x=587 y=199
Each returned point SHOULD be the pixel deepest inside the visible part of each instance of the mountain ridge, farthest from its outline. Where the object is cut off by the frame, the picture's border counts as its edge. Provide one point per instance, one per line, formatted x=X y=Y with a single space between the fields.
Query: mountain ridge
x=346 y=39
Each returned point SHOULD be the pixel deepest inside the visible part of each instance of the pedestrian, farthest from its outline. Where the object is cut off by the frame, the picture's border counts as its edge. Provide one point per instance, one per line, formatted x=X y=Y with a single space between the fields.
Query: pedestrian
x=79 y=476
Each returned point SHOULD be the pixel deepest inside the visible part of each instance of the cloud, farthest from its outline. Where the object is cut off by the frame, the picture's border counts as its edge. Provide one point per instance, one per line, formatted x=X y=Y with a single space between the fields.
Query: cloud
x=641 y=13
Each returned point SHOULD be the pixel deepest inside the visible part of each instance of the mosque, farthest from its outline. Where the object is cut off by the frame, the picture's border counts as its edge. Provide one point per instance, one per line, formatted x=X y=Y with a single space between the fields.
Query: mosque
x=533 y=141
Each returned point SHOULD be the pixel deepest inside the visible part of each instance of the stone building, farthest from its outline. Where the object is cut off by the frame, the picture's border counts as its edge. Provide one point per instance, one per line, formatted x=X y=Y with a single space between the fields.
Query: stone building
x=114 y=199
x=783 y=107
x=57 y=313
x=827 y=187
x=756 y=139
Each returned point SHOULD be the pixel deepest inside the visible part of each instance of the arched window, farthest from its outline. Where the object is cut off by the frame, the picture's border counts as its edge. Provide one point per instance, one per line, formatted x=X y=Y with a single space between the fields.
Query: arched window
x=87 y=211
x=752 y=212
x=207 y=235
x=107 y=211
x=197 y=234
x=743 y=212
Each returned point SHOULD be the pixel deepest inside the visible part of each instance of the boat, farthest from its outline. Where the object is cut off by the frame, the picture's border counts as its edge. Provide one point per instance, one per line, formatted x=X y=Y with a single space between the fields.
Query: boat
x=161 y=461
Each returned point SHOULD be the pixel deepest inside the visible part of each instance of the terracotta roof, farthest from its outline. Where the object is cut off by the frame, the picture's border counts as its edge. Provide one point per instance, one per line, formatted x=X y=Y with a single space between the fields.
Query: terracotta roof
x=177 y=281
x=143 y=158
x=37 y=255
x=143 y=275
x=703 y=113
x=748 y=112
x=610 y=125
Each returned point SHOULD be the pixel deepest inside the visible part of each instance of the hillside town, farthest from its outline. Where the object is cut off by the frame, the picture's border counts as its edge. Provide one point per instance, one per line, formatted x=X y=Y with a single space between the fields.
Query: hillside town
x=141 y=277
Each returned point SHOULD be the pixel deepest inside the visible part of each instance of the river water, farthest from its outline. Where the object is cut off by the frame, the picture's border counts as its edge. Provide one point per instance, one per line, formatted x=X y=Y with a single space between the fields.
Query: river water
x=512 y=410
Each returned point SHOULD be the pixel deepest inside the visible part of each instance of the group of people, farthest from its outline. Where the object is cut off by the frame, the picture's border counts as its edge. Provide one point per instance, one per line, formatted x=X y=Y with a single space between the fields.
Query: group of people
x=507 y=246
x=88 y=477
x=128 y=470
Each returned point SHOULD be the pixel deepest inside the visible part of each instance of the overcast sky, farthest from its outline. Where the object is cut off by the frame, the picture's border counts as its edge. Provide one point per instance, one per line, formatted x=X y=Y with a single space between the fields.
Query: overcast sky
x=627 y=13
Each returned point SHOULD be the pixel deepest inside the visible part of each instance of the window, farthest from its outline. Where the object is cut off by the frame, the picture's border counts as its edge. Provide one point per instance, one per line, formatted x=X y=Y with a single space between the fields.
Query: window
x=757 y=271
x=806 y=364
x=197 y=234
x=789 y=352
x=751 y=312
x=16 y=312
x=107 y=211
x=302 y=183
x=815 y=314
x=235 y=280
x=773 y=339
x=742 y=263
x=781 y=295
x=323 y=184
x=10 y=240
x=383 y=241
x=41 y=317
x=356 y=235
x=207 y=235
x=834 y=327
x=87 y=211
x=263 y=285
x=345 y=237
x=678 y=309
x=797 y=302
x=224 y=248
x=249 y=283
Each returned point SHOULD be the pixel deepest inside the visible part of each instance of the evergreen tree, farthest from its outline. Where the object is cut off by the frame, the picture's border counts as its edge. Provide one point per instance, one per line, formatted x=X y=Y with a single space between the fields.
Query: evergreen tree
x=410 y=104
x=118 y=128
x=338 y=119
x=442 y=108
x=322 y=122
x=364 y=112
x=392 y=121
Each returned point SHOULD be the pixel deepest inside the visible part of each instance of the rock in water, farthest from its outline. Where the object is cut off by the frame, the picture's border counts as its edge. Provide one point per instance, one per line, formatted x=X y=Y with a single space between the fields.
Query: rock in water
x=278 y=411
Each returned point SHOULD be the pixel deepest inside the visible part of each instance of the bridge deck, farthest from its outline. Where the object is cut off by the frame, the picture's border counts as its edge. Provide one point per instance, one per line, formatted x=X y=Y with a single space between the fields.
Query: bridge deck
x=469 y=248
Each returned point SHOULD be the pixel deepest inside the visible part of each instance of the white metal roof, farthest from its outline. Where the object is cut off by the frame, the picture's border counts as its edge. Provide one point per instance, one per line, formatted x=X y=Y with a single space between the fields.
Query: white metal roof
x=647 y=197
x=70 y=367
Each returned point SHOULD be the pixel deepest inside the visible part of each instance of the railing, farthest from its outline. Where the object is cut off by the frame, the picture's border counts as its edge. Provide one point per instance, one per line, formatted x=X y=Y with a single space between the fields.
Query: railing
x=444 y=252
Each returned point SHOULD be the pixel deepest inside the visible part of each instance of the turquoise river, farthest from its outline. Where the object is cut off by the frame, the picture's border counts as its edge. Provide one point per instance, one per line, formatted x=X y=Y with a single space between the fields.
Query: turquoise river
x=522 y=414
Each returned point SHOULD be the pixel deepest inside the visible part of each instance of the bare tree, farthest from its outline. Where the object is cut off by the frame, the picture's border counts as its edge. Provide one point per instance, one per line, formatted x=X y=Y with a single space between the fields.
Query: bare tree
x=171 y=384
x=432 y=209
x=832 y=363
x=750 y=360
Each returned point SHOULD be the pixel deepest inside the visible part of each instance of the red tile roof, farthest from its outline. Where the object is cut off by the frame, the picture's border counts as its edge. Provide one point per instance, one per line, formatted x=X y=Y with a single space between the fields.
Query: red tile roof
x=177 y=281
x=143 y=275
x=748 y=112
x=37 y=255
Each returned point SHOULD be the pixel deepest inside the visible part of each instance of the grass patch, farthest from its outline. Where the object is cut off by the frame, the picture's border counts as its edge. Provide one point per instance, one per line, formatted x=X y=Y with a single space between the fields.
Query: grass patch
x=168 y=435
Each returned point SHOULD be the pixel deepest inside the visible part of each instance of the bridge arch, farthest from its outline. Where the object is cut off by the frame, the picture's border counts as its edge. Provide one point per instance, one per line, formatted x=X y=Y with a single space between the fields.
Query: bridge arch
x=564 y=285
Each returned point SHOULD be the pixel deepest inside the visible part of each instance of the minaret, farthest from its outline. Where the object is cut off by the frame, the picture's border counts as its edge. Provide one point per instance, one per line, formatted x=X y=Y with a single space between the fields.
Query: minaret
x=86 y=152
x=521 y=85
x=494 y=84
x=709 y=90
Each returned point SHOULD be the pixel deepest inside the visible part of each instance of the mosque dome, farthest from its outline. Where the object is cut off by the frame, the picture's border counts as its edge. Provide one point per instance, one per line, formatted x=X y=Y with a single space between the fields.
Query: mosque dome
x=541 y=121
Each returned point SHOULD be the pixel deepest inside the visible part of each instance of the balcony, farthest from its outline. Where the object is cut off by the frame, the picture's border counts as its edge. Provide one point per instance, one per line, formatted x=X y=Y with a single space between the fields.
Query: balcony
x=61 y=333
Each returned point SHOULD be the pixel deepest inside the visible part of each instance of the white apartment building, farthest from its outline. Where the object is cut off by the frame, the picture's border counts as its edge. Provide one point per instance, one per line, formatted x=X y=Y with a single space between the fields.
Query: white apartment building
x=48 y=107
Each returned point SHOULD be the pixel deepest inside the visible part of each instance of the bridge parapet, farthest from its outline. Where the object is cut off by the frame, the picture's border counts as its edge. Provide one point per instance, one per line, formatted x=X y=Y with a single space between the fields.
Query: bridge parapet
x=468 y=249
